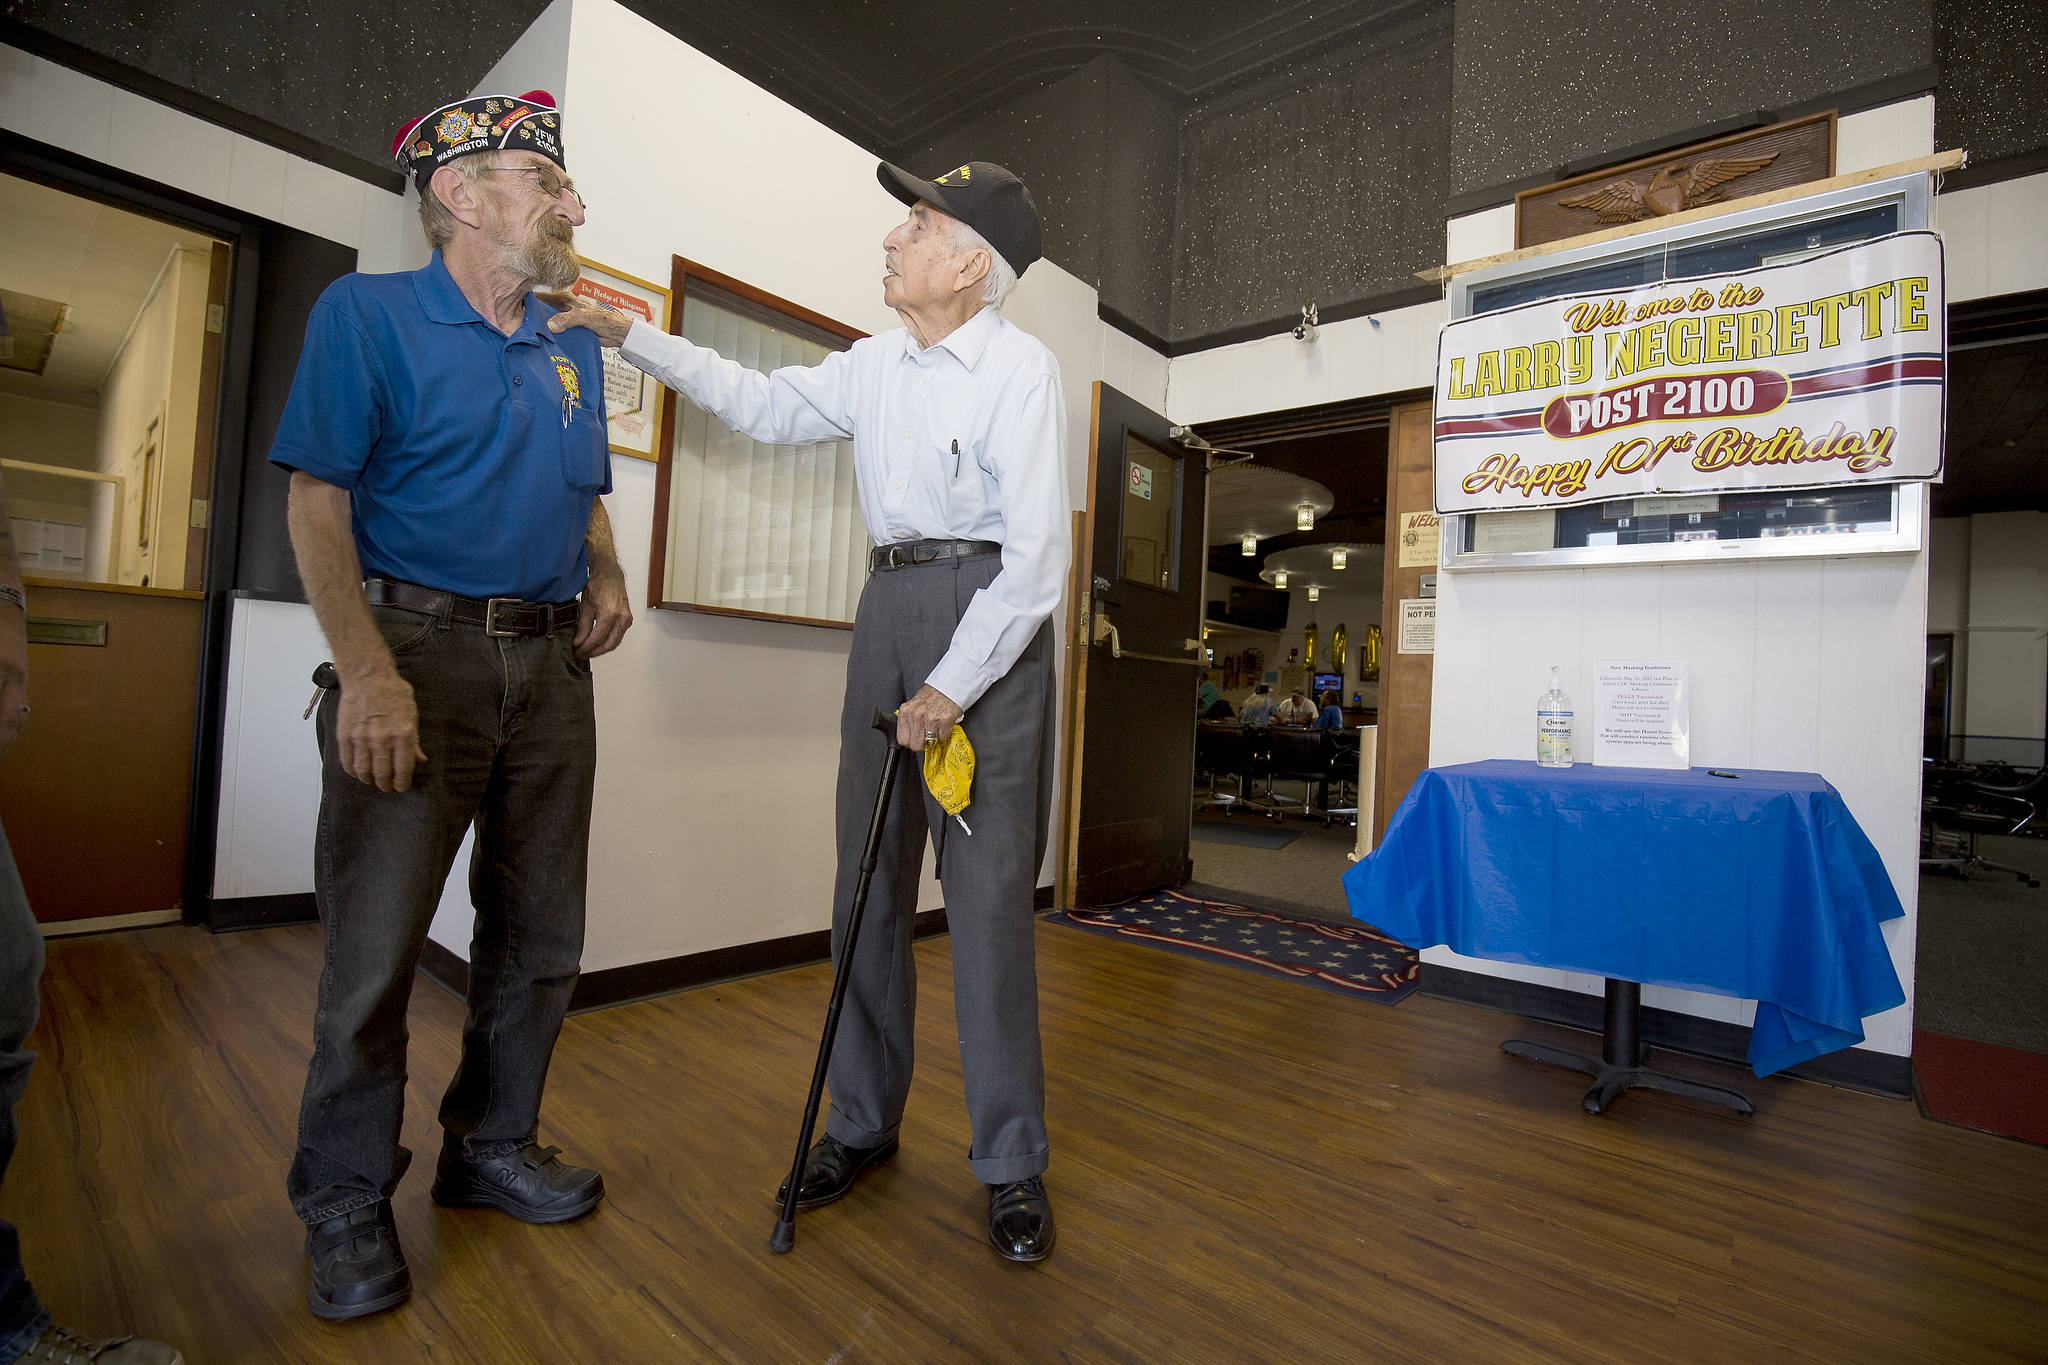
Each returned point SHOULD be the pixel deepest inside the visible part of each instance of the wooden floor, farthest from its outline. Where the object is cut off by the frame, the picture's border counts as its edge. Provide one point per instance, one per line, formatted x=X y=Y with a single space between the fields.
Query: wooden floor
x=1244 y=1170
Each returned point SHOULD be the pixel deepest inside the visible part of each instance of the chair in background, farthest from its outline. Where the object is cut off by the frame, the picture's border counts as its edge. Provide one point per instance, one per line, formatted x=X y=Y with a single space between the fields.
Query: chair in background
x=1298 y=756
x=1340 y=760
x=1219 y=752
x=1957 y=806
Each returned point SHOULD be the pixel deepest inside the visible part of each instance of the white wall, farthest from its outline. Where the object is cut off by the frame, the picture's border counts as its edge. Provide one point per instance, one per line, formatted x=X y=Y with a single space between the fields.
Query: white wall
x=718 y=739
x=2008 y=632
x=154 y=380
x=1812 y=667
x=1948 y=608
x=40 y=431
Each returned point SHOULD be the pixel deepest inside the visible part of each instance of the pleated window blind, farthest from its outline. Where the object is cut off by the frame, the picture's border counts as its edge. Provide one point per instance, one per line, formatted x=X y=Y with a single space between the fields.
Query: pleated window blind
x=763 y=529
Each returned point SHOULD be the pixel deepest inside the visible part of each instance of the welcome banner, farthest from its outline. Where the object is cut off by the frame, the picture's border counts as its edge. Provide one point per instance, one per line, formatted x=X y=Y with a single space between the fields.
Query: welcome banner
x=1822 y=371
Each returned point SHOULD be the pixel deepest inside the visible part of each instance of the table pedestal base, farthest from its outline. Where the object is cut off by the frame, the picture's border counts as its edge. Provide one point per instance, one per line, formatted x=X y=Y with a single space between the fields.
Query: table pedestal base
x=1621 y=1065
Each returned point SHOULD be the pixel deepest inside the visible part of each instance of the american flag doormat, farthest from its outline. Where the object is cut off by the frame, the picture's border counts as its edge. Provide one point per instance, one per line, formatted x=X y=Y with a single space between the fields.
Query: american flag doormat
x=1351 y=959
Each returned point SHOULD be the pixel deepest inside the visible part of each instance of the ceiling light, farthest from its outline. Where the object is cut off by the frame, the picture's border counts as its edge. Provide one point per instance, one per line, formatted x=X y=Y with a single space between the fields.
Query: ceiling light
x=1279 y=578
x=1337 y=558
x=1315 y=594
x=1304 y=518
x=1250 y=546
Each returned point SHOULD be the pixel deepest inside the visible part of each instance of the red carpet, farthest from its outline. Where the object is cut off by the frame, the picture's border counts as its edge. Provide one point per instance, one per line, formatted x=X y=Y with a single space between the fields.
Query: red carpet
x=1996 y=1089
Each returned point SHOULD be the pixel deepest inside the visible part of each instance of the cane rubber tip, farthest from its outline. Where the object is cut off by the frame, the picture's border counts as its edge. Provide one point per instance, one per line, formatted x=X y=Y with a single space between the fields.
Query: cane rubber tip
x=784 y=1236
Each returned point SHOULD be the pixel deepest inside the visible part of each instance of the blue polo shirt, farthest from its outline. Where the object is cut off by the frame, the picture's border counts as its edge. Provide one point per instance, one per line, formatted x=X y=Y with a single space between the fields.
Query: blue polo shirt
x=471 y=457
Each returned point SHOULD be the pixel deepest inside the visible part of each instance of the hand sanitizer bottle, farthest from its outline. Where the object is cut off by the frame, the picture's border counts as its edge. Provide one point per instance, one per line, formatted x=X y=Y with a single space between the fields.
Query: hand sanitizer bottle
x=1554 y=726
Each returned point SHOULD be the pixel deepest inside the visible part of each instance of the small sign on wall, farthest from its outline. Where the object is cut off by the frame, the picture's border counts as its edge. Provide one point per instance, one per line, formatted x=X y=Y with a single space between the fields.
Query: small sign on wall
x=1418 y=537
x=1418 y=626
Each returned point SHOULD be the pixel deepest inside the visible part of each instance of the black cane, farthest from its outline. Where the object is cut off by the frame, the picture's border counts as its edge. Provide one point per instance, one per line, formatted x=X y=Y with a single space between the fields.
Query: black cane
x=784 y=1236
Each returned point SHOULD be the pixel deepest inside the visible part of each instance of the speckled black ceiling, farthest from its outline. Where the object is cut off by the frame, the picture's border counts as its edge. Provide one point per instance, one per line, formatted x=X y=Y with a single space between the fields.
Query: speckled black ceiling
x=1205 y=162
x=902 y=74
x=1540 y=84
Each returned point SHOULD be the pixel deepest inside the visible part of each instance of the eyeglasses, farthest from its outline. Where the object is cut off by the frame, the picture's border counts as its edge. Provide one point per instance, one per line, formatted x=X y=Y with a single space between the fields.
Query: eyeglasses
x=552 y=183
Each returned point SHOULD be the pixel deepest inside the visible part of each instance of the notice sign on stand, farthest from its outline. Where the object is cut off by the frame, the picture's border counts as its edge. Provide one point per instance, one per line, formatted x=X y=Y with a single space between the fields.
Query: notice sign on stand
x=1639 y=715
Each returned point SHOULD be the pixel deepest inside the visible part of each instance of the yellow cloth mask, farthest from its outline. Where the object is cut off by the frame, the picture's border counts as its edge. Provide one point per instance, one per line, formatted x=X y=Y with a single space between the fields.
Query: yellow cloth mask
x=949 y=772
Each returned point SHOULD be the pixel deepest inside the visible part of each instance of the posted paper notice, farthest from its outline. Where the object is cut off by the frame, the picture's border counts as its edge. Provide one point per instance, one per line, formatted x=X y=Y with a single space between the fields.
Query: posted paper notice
x=1639 y=714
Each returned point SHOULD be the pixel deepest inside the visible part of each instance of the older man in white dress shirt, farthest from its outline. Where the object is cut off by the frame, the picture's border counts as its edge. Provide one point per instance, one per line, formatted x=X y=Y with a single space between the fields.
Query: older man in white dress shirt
x=958 y=431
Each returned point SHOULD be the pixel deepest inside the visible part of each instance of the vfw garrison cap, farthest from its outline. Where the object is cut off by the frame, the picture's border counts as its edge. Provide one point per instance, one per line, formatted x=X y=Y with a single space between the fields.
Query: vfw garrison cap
x=481 y=123
x=982 y=195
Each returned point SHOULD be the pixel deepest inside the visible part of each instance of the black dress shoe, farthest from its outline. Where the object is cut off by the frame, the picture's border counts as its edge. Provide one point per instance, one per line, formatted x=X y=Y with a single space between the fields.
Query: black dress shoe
x=533 y=1184
x=358 y=1267
x=830 y=1170
x=1020 y=1220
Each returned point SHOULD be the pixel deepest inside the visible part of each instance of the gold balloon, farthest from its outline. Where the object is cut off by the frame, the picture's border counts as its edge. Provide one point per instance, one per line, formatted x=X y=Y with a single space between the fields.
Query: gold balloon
x=1337 y=641
x=1373 y=641
x=1308 y=646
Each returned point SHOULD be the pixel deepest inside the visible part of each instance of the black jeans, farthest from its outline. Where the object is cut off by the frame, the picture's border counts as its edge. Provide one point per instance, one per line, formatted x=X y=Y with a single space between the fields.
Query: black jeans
x=22 y=1318
x=511 y=743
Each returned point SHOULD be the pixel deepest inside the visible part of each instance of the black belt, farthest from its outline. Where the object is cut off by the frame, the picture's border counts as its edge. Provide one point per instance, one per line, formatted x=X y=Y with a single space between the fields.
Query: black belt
x=897 y=554
x=499 y=616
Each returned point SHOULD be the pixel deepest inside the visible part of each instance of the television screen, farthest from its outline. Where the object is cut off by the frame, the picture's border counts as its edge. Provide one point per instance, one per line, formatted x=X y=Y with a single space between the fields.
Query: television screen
x=1256 y=608
x=1329 y=682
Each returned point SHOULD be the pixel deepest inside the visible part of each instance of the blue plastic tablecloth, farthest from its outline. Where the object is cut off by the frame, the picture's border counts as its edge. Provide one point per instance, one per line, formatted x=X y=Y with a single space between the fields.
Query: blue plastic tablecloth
x=1762 y=886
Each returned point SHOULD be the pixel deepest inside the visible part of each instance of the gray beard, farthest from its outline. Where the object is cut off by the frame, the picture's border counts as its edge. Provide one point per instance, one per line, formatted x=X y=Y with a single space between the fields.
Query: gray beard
x=547 y=260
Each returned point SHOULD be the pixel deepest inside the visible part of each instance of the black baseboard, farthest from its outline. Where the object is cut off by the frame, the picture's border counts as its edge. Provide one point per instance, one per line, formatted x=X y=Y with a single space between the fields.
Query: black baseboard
x=1876 y=1073
x=665 y=976
x=229 y=914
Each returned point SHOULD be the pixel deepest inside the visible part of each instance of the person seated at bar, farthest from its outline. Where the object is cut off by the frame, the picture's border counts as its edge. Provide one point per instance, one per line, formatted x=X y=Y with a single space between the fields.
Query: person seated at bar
x=1259 y=707
x=1296 y=710
x=1331 y=717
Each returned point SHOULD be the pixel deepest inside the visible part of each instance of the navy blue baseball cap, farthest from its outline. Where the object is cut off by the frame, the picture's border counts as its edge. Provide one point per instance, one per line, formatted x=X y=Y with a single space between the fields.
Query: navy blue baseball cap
x=982 y=195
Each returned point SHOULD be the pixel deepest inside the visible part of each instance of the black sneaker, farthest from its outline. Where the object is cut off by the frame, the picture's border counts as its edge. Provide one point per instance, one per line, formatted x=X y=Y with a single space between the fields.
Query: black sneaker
x=532 y=1184
x=358 y=1266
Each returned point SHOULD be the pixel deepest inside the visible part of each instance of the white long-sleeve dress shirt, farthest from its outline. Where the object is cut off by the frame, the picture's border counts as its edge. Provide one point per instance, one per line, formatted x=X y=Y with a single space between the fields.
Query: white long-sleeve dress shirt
x=962 y=440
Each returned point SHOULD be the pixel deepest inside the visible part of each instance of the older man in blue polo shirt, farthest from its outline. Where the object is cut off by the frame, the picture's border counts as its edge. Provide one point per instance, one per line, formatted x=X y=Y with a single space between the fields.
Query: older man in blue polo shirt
x=447 y=452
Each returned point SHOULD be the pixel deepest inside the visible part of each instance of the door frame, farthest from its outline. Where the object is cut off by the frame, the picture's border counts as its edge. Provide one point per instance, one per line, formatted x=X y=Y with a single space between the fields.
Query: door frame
x=228 y=419
x=1228 y=433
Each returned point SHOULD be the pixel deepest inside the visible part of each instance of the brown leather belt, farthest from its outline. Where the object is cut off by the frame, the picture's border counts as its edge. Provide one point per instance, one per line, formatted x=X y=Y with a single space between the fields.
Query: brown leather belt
x=902 y=553
x=499 y=616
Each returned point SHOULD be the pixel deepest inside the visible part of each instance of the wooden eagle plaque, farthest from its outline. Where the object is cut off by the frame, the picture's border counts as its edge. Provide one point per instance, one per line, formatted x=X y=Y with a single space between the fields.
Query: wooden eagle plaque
x=1732 y=167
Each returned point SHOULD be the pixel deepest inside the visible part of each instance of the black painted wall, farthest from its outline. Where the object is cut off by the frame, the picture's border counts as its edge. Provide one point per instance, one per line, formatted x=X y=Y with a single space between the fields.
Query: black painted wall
x=343 y=73
x=1328 y=181
x=1994 y=79
x=296 y=266
x=1099 y=150
x=1539 y=84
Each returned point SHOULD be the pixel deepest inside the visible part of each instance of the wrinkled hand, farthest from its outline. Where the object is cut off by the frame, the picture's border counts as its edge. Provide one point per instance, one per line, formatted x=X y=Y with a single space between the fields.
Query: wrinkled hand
x=609 y=324
x=605 y=616
x=930 y=711
x=13 y=674
x=378 y=731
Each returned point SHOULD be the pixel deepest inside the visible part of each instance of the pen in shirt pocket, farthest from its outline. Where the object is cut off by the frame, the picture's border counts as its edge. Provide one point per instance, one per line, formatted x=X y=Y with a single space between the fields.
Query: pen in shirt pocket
x=956 y=459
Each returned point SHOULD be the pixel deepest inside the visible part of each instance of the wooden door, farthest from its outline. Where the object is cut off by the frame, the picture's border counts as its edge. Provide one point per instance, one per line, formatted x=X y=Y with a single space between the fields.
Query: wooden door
x=1133 y=658
x=1405 y=679
x=94 y=794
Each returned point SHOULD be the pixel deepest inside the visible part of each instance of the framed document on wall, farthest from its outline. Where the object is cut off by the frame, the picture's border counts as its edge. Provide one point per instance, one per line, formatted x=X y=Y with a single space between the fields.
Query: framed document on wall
x=633 y=403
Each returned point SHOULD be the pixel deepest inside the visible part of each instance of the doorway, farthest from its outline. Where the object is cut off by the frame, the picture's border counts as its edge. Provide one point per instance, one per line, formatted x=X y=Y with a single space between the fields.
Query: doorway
x=110 y=381
x=1284 y=530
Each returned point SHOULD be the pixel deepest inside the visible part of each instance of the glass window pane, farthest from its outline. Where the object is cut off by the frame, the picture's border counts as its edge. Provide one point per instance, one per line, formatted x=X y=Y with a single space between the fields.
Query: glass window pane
x=763 y=529
x=1146 y=528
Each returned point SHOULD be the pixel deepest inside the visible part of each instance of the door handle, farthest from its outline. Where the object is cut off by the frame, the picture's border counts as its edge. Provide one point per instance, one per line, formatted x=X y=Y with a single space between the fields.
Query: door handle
x=1104 y=630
